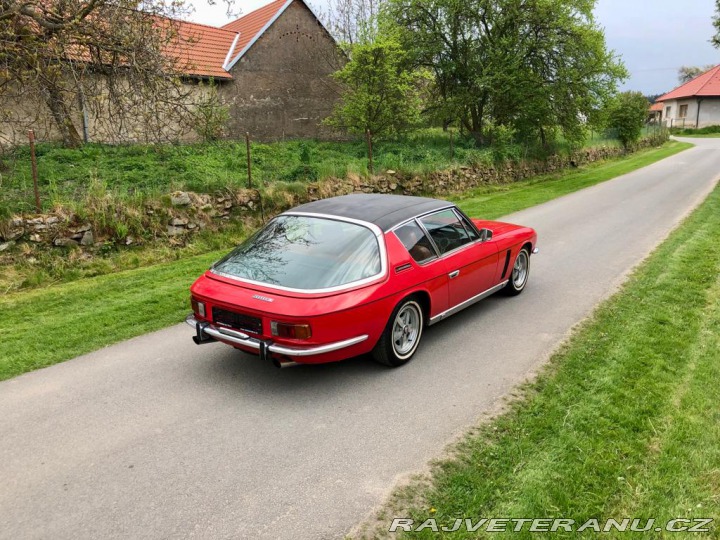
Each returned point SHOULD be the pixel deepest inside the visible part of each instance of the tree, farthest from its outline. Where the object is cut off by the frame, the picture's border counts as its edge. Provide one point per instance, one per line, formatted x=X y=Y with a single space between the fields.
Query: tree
x=715 y=40
x=352 y=21
x=688 y=73
x=103 y=58
x=531 y=65
x=380 y=93
x=627 y=116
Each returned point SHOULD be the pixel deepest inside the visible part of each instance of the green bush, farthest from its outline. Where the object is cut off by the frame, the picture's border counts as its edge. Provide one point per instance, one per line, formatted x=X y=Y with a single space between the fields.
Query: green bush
x=304 y=173
x=503 y=145
x=627 y=115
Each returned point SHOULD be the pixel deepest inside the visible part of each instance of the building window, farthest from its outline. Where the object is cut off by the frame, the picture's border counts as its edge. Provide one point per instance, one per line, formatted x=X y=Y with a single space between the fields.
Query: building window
x=667 y=112
x=683 y=111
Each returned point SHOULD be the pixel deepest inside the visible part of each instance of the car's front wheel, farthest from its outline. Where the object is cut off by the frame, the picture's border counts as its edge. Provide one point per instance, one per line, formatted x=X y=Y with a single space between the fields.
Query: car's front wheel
x=520 y=274
x=401 y=336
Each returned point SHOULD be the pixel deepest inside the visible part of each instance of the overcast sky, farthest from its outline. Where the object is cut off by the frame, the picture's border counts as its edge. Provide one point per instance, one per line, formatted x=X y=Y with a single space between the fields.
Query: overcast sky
x=653 y=38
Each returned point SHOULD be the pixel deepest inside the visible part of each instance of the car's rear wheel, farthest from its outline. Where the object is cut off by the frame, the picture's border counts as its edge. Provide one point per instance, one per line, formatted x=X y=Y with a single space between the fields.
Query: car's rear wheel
x=520 y=274
x=401 y=336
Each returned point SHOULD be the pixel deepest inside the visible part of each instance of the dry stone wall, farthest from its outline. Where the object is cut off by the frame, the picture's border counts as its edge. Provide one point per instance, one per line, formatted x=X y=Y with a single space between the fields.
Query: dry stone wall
x=185 y=213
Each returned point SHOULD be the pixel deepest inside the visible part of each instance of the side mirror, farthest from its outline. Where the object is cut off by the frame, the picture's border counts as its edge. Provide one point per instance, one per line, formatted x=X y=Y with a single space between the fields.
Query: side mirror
x=485 y=235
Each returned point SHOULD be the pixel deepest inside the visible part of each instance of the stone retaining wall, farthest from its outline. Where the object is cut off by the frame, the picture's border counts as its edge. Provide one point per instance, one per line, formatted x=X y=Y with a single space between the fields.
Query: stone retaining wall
x=185 y=213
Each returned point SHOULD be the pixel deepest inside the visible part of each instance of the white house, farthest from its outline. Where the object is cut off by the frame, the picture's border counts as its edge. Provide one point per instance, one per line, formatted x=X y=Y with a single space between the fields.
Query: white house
x=694 y=104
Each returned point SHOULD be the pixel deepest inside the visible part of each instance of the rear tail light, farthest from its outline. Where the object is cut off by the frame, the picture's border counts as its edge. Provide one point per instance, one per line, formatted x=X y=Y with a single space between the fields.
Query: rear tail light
x=293 y=331
x=198 y=307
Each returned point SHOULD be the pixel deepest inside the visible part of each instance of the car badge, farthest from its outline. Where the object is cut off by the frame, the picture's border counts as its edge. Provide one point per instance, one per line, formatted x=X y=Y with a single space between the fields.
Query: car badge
x=263 y=298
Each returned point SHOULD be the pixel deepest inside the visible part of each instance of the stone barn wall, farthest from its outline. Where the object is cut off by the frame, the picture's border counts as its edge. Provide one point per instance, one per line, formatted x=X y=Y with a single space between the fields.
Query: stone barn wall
x=282 y=86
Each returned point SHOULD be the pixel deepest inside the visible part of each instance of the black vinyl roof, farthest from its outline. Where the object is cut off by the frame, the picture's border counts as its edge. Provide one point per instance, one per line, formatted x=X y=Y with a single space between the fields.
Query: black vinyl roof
x=385 y=211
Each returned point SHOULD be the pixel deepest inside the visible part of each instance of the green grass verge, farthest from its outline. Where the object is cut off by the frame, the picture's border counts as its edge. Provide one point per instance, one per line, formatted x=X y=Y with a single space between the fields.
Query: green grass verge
x=53 y=324
x=46 y=326
x=625 y=419
x=494 y=201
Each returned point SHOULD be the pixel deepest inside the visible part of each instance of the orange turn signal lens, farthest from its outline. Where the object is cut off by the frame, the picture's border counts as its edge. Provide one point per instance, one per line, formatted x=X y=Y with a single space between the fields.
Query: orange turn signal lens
x=293 y=331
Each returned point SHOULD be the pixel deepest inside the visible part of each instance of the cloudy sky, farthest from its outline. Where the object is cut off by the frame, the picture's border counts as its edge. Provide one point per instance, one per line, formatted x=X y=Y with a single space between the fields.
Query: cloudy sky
x=653 y=38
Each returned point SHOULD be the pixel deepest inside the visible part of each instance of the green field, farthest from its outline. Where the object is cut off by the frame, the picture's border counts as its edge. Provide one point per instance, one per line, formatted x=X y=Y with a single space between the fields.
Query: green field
x=623 y=422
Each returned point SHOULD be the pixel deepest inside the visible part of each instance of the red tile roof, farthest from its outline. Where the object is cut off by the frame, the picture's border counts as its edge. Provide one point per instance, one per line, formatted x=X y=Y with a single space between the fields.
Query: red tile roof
x=657 y=106
x=251 y=25
x=201 y=50
x=707 y=84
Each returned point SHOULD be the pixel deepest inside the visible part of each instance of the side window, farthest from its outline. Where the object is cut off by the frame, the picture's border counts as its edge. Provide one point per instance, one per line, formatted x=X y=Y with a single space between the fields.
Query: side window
x=446 y=230
x=468 y=227
x=415 y=241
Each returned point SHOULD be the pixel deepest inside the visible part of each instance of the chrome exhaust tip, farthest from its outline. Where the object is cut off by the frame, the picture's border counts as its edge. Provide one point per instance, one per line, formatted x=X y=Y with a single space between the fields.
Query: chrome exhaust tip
x=282 y=365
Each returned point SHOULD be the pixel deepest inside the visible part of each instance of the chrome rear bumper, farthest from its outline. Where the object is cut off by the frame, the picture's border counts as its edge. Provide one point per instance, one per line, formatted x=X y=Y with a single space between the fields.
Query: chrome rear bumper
x=206 y=331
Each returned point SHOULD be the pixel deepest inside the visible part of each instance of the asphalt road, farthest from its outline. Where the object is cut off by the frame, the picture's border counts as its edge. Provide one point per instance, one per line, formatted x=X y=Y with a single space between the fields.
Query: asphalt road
x=158 y=438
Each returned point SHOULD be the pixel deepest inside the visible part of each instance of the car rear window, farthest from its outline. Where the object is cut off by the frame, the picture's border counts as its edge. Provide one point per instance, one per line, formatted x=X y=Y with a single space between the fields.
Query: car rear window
x=306 y=253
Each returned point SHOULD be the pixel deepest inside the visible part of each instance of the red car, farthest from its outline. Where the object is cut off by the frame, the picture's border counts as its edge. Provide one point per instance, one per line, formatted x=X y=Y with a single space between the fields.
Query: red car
x=357 y=274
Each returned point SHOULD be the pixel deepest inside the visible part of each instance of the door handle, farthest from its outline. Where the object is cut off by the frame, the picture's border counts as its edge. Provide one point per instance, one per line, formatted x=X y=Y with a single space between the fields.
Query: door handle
x=454 y=274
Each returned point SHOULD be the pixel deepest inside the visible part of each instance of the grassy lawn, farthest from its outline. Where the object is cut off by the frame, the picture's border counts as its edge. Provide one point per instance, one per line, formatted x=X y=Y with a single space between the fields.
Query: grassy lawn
x=46 y=326
x=623 y=422
x=53 y=324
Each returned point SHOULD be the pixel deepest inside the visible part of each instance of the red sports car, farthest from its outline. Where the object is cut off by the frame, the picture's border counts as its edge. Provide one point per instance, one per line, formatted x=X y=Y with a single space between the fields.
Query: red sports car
x=357 y=274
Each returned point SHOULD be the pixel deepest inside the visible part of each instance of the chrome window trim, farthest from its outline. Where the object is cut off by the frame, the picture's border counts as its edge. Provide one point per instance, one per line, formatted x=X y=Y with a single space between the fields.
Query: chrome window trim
x=416 y=218
x=467 y=219
x=379 y=237
x=439 y=256
x=471 y=243
x=467 y=222
x=420 y=224
x=424 y=231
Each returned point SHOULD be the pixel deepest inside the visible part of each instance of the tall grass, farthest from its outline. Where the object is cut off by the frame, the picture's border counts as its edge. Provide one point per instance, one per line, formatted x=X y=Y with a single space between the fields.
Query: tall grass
x=132 y=171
